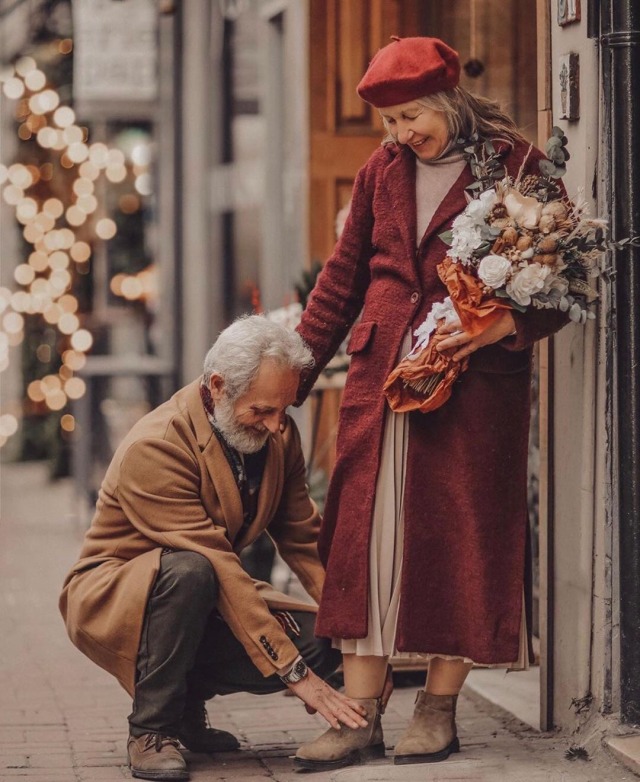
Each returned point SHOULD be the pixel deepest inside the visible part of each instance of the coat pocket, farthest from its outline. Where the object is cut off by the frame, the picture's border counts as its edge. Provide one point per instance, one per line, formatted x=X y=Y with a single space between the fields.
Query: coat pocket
x=361 y=335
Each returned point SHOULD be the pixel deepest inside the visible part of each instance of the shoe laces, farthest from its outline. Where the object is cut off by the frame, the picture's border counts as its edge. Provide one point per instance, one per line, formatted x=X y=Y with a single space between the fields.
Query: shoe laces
x=195 y=714
x=159 y=740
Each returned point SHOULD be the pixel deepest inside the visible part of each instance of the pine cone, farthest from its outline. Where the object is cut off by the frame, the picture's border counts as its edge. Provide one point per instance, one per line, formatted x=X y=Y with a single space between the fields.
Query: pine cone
x=498 y=212
x=529 y=184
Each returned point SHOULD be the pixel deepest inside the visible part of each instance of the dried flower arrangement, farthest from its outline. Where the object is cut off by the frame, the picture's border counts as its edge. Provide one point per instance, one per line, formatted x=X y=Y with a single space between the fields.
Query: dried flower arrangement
x=518 y=244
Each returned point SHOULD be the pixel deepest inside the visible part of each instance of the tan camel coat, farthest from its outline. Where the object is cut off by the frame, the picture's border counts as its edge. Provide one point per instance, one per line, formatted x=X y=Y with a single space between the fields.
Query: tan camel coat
x=170 y=485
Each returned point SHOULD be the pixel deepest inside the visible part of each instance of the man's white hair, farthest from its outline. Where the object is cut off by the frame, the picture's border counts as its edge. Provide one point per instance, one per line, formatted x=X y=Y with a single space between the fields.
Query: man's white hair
x=240 y=349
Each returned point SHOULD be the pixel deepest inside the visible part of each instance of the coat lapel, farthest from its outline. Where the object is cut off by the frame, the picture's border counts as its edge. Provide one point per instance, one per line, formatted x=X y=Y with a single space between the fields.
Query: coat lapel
x=270 y=488
x=216 y=462
x=451 y=205
x=272 y=482
x=400 y=182
x=225 y=486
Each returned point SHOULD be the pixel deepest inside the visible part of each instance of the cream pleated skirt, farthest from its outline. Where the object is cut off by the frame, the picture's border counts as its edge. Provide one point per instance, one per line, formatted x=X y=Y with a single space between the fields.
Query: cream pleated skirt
x=385 y=556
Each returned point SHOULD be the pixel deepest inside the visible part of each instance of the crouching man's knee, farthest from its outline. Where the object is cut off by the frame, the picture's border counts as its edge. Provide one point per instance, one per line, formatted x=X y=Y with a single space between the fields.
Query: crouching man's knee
x=186 y=577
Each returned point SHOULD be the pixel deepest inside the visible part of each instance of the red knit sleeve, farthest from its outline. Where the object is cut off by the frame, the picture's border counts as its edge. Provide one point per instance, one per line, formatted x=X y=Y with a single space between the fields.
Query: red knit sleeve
x=338 y=295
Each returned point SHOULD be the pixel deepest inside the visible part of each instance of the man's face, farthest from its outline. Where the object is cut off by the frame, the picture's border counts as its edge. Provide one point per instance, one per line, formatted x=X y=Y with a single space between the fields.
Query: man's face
x=246 y=422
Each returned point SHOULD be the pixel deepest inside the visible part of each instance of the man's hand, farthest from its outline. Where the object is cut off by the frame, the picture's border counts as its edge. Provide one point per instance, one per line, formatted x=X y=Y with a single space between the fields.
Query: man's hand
x=466 y=344
x=335 y=707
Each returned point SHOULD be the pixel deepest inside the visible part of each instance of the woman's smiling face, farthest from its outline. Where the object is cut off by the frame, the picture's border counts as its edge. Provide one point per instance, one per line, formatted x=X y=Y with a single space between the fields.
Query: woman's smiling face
x=424 y=130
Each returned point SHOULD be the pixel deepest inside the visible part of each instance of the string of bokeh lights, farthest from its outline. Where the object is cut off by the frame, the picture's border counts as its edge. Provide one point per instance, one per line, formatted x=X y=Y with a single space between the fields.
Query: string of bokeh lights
x=50 y=226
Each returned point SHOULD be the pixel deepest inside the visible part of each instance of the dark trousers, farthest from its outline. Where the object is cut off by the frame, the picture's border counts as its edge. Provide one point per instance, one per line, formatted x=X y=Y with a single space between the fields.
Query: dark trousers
x=188 y=653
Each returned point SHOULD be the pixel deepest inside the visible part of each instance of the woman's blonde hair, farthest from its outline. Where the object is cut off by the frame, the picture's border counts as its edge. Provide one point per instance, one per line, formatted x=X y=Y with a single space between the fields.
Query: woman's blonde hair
x=467 y=114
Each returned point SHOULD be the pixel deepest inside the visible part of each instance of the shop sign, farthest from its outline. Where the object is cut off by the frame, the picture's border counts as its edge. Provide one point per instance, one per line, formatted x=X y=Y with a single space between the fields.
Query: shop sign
x=115 y=50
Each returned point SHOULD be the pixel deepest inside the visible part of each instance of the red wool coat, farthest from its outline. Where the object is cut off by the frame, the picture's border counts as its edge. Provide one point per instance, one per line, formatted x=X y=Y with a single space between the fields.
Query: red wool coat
x=465 y=495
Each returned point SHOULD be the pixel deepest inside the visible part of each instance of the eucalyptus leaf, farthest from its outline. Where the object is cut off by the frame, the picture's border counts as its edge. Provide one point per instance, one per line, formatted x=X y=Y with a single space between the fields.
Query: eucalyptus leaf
x=547 y=167
x=447 y=237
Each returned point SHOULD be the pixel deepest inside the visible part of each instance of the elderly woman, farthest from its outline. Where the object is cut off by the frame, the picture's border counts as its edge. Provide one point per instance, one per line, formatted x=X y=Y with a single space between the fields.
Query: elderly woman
x=425 y=530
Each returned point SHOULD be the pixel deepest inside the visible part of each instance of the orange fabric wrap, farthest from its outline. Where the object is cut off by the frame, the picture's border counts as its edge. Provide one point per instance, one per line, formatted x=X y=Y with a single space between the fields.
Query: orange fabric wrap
x=466 y=293
x=475 y=316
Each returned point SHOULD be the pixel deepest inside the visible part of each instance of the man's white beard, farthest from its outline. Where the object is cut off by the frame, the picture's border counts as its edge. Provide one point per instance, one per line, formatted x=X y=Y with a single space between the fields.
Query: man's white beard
x=240 y=437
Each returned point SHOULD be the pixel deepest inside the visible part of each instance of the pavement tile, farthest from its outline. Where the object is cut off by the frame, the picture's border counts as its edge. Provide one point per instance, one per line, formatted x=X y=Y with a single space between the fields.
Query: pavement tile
x=51 y=760
x=104 y=774
x=66 y=720
x=14 y=760
x=37 y=775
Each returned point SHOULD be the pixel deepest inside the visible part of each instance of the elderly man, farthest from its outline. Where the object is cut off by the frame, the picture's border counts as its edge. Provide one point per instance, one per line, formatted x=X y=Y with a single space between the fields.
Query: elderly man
x=159 y=597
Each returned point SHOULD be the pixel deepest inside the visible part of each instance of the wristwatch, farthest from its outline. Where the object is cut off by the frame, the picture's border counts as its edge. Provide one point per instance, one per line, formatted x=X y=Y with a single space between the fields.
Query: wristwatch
x=298 y=672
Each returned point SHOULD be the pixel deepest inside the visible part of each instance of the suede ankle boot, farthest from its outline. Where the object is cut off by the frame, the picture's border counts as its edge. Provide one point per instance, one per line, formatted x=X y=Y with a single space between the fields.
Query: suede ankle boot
x=432 y=734
x=344 y=747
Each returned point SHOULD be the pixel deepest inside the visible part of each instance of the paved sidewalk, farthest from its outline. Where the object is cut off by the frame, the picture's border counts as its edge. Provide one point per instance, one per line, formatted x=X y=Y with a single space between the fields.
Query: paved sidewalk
x=62 y=719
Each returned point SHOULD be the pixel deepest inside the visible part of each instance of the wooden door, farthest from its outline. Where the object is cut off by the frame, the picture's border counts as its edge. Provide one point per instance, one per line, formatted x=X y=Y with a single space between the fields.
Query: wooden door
x=344 y=130
x=344 y=36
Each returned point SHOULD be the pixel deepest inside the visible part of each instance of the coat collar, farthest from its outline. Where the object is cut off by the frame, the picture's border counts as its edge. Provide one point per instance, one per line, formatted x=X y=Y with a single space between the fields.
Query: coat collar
x=400 y=181
x=451 y=205
x=270 y=488
x=220 y=471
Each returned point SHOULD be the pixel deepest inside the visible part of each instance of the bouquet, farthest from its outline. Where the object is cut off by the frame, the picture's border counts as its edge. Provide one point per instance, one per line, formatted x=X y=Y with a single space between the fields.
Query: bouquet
x=518 y=244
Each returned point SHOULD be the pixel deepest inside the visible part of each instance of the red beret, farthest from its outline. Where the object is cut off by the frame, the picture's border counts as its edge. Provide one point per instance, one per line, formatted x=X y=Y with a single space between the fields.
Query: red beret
x=408 y=69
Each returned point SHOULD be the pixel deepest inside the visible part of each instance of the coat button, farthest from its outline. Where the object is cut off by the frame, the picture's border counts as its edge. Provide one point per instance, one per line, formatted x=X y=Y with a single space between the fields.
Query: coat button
x=414 y=297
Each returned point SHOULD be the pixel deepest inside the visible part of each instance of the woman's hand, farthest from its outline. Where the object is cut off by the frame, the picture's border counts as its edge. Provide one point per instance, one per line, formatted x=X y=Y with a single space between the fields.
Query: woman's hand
x=335 y=707
x=466 y=344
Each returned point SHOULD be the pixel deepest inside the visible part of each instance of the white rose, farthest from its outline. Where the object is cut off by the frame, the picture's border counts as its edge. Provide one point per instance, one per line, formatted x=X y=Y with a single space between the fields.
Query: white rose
x=493 y=270
x=479 y=208
x=527 y=282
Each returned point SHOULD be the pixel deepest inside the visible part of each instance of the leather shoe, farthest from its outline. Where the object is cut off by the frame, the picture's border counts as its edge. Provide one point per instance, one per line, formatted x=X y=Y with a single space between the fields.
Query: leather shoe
x=196 y=734
x=154 y=756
